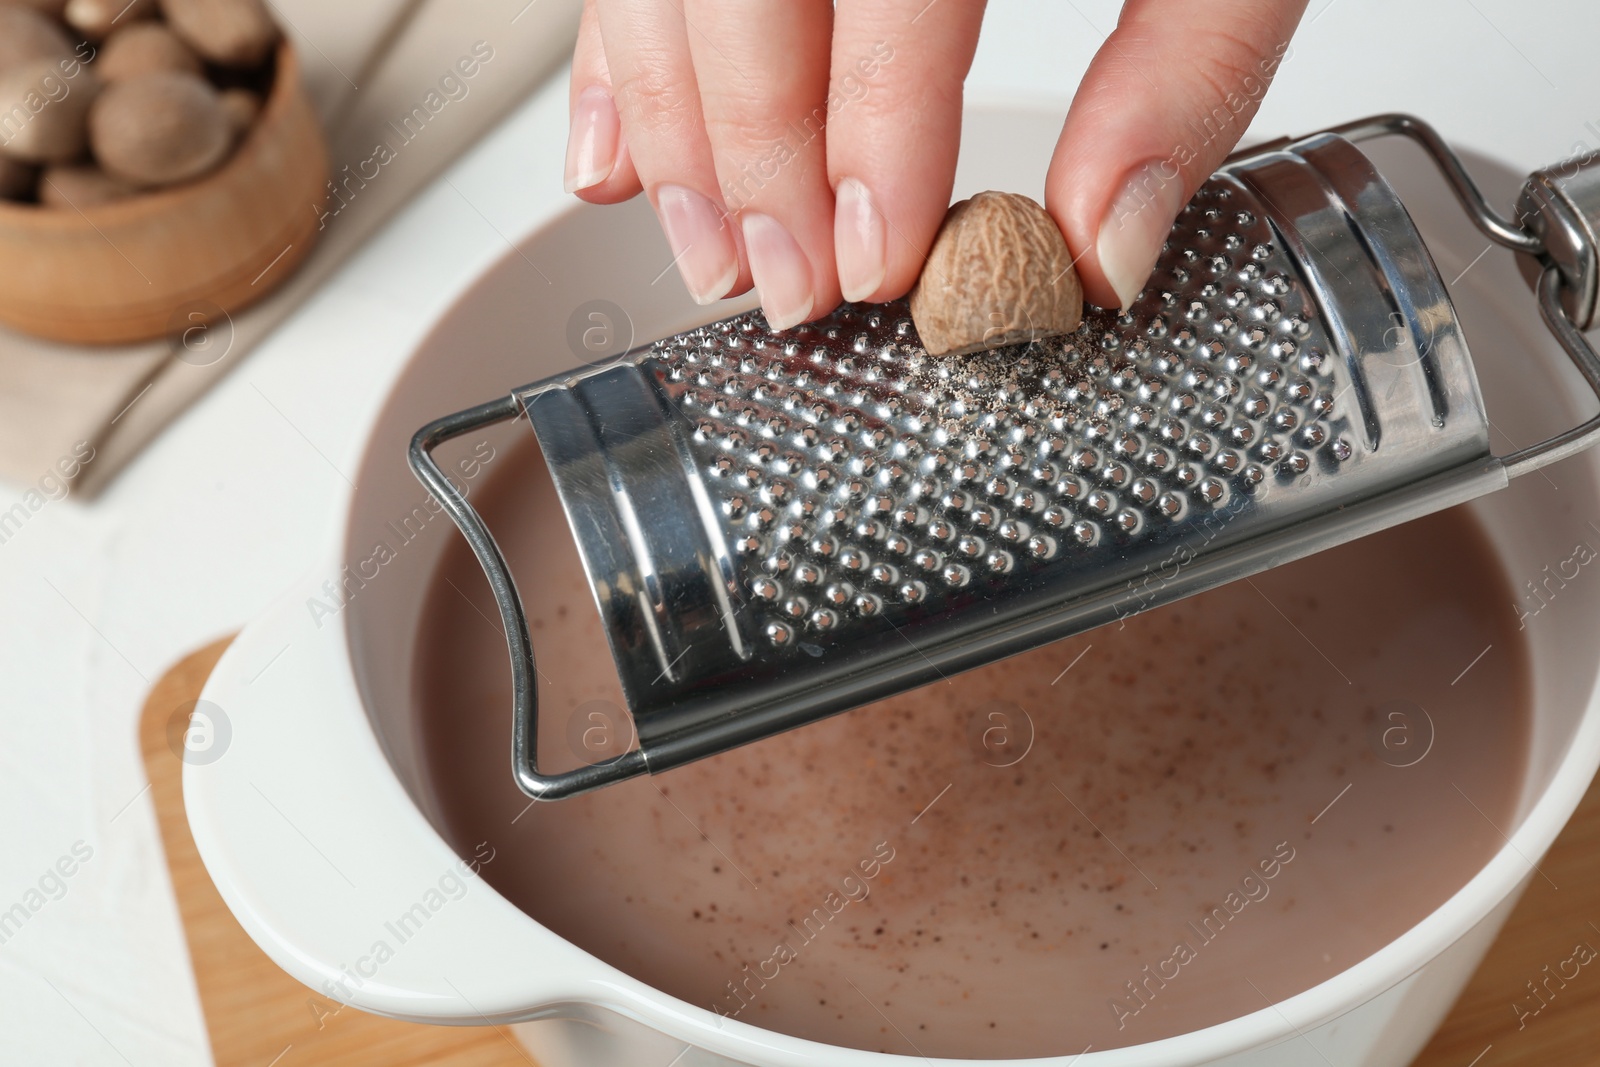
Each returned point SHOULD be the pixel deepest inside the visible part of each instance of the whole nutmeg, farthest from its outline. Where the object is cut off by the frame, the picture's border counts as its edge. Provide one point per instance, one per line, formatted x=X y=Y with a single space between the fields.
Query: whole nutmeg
x=144 y=48
x=999 y=273
x=43 y=113
x=80 y=186
x=159 y=128
x=230 y=33
x=26 y=35
x=97 y=19
x=16 y=179
x=242 y=106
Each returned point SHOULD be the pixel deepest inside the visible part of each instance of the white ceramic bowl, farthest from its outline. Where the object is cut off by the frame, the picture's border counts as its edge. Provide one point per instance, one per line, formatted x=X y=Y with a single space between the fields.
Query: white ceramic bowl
x=315 y=823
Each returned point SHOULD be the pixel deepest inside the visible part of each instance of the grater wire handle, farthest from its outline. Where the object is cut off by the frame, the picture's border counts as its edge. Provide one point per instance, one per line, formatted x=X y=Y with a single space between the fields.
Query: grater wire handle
x=1582 y=353
x=1551 y=282
x=1494 y=226
x=514 y=619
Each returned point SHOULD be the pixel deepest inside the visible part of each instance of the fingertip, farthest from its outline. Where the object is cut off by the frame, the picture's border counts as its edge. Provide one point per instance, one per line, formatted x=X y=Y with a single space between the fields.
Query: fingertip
x=607 y=193
x=904 y=271
x=877 y=259
x=793 y=287
x=827 y=295
x=860 y=240
x=1097 y=290
x=744 y=282
x=700 y=236
x=620 y=185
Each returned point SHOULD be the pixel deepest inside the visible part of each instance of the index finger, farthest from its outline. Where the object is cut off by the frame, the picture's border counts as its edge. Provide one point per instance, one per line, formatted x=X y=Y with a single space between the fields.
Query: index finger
x=894 y=125
x=1165 y=100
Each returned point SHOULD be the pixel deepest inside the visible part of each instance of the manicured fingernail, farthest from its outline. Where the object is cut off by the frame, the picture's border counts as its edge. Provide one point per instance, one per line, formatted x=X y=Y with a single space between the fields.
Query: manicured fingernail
x=1136 y=226
x=780 y=270
x=860 y=241
x=592 y=141
x=702 y=243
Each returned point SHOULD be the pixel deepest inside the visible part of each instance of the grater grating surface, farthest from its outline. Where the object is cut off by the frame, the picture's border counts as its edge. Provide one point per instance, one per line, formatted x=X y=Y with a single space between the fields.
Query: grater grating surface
x=855 y=474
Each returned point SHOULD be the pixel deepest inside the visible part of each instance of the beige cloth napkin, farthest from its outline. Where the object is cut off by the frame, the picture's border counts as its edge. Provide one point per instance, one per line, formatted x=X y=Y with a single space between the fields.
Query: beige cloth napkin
x=366 y=63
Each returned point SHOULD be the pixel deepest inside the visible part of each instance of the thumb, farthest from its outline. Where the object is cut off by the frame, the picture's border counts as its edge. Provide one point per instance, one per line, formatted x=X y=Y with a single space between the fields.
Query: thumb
x=1165 y=100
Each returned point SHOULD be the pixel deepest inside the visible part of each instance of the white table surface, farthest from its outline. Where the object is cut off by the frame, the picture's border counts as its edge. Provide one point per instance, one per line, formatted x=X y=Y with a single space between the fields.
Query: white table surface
x=234 y=500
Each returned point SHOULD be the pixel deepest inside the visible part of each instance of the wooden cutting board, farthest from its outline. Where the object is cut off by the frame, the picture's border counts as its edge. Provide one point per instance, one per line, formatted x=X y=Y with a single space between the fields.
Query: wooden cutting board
x=258 y=1016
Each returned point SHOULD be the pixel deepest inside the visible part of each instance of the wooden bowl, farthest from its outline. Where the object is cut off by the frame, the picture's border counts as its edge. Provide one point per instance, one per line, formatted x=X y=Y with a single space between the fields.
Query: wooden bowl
x=137 y=269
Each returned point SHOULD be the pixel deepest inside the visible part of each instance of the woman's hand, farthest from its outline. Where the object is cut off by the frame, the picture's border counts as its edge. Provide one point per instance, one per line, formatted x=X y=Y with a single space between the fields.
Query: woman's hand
x=810 y=148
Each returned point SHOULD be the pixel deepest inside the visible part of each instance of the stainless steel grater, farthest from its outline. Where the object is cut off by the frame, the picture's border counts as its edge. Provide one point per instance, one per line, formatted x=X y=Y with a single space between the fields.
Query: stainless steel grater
x=781 y=526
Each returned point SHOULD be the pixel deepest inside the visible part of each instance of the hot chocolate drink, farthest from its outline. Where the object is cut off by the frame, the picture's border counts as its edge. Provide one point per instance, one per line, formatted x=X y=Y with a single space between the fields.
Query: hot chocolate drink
x=1130 y=834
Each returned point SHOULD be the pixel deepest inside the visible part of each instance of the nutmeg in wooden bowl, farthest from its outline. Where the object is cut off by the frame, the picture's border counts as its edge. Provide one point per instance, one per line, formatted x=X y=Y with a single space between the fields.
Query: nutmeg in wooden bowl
x=124 y=270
